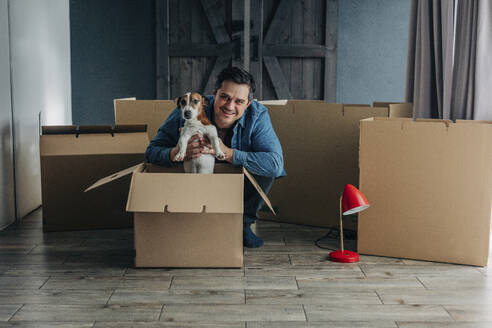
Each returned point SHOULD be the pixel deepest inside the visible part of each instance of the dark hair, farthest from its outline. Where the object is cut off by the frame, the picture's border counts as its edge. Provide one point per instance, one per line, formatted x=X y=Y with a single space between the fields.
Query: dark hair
x=237 y=75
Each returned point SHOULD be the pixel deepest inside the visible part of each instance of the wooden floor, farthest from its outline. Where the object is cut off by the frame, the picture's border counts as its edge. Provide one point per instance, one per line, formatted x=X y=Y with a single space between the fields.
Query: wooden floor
x=86 y=279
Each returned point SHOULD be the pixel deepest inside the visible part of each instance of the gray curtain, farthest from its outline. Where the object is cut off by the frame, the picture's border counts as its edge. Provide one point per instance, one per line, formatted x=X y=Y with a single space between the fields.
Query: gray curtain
x=441 y=58
x=483 y=65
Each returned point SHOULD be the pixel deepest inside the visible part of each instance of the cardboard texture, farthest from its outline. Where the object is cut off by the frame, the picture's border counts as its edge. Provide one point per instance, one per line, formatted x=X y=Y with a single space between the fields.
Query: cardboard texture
x=320 y=143
x=71 y=158
x=150 y=112
x=429 y=183
x=397 y=109
x=185 y=220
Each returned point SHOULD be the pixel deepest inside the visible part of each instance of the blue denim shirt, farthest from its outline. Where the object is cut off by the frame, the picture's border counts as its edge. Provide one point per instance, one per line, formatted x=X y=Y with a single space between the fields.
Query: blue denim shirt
x=256 y=146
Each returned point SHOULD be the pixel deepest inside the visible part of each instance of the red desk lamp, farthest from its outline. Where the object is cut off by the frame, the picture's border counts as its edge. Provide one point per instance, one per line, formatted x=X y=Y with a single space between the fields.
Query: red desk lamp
x=351 y=202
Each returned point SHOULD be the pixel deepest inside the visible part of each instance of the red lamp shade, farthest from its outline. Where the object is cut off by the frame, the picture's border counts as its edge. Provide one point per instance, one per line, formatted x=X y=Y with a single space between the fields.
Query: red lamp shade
x=353 y=201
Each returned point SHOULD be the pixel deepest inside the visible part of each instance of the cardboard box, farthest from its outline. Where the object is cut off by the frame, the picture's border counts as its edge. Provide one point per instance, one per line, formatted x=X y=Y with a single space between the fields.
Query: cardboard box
x=183 y=219
x=429 y=183
x=320 y=142
x=150 y=112
x=396 y=109
x=72 y=158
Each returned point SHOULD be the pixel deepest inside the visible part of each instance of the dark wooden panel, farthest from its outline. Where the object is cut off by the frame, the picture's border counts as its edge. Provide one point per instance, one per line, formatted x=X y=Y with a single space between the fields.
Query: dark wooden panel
x=256 y=62
x=330 y=64
x=296 y=39
x=216 y=21
x=162 y=49
x=294 y=50
x=280 y=85
x=279 y=20
x=199 y=49
x=220 y=63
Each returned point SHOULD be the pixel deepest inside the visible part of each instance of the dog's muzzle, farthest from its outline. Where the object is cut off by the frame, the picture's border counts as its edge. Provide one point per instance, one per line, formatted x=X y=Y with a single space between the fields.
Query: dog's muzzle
x=187 y=114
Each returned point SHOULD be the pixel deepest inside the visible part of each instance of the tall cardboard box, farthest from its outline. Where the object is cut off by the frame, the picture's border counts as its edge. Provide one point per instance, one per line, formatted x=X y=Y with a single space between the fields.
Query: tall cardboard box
x=320 y=142
x=429 y=183
x=150 y=112
x=71 y=159
x=183 y=219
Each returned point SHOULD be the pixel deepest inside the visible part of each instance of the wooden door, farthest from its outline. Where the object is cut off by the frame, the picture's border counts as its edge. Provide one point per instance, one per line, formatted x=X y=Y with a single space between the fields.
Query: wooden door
x=289 y=46
x=193 y=44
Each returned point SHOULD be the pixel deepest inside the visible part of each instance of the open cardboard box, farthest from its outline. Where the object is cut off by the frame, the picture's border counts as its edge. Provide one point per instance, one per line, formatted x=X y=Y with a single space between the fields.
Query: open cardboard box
x=183 y=219
x=72 y=157
x=429 y=183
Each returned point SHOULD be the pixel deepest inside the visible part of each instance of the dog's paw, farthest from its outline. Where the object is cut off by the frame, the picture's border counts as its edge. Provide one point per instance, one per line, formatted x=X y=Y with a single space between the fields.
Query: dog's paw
x=220 y=155
x=179 y=157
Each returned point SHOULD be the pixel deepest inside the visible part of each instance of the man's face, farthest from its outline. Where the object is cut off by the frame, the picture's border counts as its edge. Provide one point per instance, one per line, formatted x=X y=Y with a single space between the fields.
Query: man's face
x=231 y=100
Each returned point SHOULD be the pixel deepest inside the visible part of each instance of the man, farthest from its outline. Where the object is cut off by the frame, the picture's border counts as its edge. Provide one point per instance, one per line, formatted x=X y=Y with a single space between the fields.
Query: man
x=246 y=137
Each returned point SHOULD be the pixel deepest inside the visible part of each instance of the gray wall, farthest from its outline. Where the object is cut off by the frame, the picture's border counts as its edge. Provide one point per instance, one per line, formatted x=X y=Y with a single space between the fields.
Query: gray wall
x=40 y=66
x=113 y=55
x=7 y=205
x=372 y=49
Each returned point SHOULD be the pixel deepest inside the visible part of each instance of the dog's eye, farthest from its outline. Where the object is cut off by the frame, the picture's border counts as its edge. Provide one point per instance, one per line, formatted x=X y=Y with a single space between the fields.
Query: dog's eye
x=194 y=101
x=183 y=102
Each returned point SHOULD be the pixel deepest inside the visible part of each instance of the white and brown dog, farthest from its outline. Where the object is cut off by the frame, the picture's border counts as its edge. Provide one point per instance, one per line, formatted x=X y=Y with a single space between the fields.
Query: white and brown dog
x=196 y=122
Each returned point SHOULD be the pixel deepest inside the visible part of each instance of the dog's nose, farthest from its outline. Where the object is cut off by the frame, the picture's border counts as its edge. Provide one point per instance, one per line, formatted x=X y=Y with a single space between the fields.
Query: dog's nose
x=187 y=114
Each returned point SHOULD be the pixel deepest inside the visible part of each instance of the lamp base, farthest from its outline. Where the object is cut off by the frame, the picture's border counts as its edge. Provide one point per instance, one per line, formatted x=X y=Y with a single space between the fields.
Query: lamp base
x=344 y=256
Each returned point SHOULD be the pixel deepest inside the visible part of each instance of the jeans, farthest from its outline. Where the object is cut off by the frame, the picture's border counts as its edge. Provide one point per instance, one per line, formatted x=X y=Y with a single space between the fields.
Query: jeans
x=252 y=199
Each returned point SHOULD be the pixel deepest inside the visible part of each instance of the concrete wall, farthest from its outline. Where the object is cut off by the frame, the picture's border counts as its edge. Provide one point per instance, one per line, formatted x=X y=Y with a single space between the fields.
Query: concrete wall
x=113 y=56
x=7 y=201
x=40 y=67
x=372 y=50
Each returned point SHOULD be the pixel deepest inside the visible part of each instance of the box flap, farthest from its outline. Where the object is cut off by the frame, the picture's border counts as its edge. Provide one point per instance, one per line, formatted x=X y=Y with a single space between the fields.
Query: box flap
x=279 y=102
x=59 y=129
x=117 y=175
x=186 y=193
x=258 y=188
x=92 y=140
x=87 y=129
x=128 y=128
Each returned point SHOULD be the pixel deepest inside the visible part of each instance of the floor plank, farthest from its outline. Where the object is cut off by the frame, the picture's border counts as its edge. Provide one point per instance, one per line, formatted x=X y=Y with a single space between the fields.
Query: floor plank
x=438 y=296
x=178 y=297
x=426 y=313
x=98 y=283
x=182 y=324
x=309 y=297
x=220 y=283
x=243 y=312
x=324 y=324
x=74 y=313
x=61 y=296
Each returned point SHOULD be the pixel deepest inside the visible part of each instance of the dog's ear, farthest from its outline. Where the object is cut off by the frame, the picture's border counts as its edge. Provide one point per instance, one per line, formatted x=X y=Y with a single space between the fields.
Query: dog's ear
x=177 y=100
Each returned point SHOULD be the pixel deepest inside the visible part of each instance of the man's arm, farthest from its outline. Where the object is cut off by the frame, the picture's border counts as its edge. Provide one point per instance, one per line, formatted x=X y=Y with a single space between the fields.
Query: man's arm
x=162 y=147
x=266 y=159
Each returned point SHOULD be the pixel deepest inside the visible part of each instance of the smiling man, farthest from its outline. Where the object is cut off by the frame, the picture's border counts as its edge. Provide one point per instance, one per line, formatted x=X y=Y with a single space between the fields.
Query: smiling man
x=246 y=137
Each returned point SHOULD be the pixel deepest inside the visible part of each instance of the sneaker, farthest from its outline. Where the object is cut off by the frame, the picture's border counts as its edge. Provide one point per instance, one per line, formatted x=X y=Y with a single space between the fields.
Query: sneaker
x=251 y=240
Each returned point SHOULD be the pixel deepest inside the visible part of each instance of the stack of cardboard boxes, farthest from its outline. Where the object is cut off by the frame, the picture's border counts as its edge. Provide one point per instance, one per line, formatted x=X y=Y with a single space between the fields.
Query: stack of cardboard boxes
x=184 y=220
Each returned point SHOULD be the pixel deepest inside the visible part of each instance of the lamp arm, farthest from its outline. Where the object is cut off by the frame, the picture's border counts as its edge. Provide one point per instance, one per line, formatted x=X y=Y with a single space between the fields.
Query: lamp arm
x=341 y=224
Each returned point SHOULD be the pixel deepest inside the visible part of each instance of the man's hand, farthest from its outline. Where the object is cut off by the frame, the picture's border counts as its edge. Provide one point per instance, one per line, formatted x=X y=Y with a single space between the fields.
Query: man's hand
x=194 y=149
x=229 y=152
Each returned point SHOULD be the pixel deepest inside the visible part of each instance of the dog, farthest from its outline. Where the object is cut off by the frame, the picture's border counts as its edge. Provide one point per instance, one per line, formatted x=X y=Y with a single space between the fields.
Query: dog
x=196 y=122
